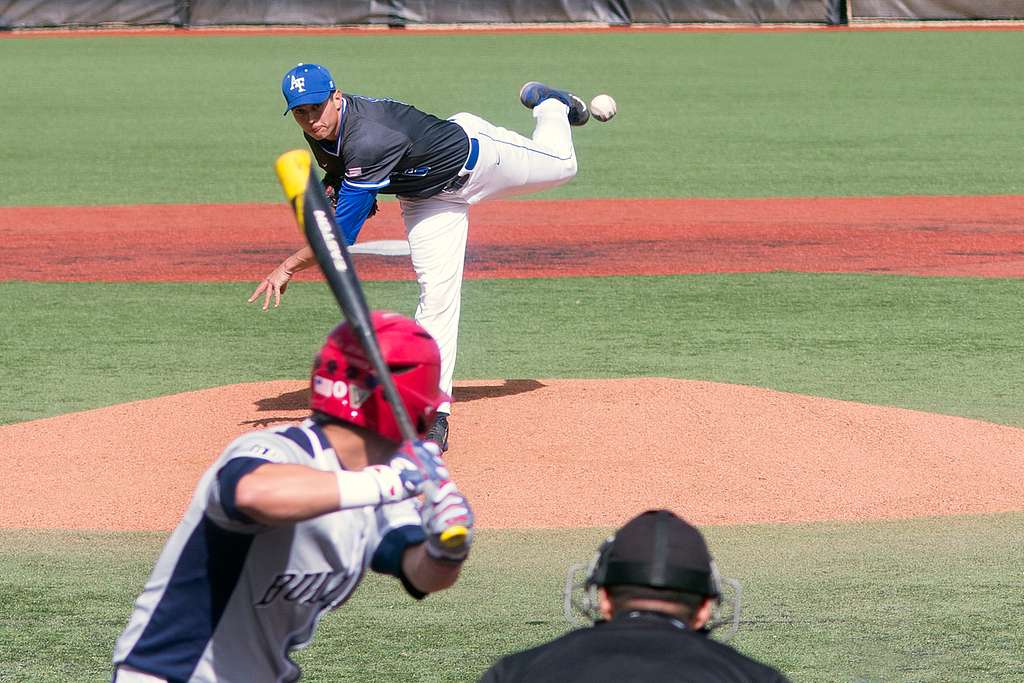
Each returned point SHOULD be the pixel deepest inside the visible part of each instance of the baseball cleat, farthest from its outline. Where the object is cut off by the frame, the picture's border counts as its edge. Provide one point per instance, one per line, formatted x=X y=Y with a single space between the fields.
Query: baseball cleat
x=439 y=432
x=533 y=93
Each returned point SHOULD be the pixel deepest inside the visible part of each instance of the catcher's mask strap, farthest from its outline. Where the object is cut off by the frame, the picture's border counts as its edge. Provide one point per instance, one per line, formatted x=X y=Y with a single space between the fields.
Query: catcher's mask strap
x=659 y=565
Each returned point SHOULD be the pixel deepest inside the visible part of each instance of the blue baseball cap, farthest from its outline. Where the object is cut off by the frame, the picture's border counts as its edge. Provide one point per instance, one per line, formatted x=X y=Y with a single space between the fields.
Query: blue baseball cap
x=306 y=84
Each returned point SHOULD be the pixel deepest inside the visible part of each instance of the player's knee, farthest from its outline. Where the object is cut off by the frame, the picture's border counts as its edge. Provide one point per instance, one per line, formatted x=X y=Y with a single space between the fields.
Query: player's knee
x=567 y=169
x=571 y=167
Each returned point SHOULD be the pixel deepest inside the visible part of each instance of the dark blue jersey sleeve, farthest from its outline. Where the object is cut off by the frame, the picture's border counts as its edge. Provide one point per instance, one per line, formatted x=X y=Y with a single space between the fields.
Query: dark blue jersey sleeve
x=354 y=203
x=227 y=479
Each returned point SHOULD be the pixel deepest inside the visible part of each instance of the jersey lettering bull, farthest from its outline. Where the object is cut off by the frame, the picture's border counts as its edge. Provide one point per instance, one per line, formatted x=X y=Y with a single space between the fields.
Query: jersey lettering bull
x=309 y=588
x=230 y=598
x=393 y=148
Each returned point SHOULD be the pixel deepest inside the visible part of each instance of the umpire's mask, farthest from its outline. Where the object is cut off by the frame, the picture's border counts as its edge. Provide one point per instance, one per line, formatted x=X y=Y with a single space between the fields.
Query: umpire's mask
x=658 y=550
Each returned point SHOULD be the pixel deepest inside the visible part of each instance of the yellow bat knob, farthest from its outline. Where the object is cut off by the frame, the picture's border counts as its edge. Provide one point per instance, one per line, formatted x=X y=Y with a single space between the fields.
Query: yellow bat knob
x=454 y=537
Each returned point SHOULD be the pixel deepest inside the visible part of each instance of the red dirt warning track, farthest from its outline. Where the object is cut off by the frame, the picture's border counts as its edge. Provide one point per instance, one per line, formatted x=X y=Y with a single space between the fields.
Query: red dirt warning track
x=969 y=236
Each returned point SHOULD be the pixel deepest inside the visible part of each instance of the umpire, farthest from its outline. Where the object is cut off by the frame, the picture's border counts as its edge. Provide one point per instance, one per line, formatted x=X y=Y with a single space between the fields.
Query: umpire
x=655 y=588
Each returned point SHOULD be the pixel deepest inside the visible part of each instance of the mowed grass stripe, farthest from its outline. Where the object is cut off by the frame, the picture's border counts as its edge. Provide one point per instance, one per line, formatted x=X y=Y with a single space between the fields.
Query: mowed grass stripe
x=947 y=345
x=922 y=600
x=198 y=119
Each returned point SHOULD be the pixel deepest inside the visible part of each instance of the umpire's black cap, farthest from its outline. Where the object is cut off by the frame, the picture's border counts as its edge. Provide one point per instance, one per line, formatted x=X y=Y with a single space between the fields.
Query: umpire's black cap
x=660 y=550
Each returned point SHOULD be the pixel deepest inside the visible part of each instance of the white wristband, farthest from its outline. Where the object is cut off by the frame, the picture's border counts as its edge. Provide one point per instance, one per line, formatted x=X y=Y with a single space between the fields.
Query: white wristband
x=357 y=489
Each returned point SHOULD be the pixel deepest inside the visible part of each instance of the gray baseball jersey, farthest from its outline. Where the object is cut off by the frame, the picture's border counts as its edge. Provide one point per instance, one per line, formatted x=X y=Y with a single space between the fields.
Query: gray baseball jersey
x=392 y=147
x=229 y=598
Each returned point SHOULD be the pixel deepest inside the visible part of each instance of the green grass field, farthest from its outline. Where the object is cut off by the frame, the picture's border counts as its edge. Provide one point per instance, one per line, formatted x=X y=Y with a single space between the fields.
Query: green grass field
x=921 y=600
x=924 y=343
x=197 y=119
x=164 y=119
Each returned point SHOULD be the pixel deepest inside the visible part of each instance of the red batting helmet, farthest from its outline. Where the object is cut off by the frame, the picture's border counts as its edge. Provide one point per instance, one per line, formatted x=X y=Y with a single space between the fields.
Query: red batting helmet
x=345 y=386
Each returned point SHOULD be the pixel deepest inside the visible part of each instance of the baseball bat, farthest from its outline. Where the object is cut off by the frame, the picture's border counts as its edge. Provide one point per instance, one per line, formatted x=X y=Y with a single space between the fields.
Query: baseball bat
x=316 y=220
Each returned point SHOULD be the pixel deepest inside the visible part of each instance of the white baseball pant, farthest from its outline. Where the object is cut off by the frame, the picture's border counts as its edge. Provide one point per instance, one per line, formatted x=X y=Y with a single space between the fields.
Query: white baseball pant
x=437 y=227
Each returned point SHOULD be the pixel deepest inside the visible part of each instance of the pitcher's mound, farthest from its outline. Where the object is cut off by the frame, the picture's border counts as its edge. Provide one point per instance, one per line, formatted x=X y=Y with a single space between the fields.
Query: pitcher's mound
x=549 y=453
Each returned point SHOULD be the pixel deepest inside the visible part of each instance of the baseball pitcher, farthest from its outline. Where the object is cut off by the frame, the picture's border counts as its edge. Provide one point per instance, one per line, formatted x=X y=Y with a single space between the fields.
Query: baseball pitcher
x=438 y=168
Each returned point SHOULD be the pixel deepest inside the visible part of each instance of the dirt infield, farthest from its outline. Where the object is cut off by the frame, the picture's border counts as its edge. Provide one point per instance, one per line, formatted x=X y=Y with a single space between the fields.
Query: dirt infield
x=714 y=453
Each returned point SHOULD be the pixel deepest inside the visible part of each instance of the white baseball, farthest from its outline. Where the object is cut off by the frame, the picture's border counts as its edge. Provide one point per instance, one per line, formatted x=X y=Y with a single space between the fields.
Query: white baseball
x=603 y=107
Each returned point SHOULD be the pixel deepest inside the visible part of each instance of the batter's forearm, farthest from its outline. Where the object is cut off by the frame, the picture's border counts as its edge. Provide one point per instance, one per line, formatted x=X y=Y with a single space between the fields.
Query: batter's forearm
x=276 y=494
x=283 y=493
x=426 y=573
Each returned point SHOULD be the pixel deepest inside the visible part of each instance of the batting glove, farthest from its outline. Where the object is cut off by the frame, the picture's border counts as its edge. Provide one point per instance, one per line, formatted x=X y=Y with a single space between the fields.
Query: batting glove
x=444 y=509
x=423 y=457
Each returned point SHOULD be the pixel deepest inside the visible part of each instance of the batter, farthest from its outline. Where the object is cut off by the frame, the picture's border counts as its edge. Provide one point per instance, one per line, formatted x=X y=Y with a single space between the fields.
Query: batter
x=285 y=524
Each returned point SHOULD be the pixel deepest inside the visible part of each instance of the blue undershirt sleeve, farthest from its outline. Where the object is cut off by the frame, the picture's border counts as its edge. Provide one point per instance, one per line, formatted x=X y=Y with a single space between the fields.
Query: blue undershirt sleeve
x=354 y=204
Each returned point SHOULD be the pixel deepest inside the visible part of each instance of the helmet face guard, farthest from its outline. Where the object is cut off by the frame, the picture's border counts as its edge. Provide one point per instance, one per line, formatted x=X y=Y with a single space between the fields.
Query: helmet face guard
x=344 y=385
